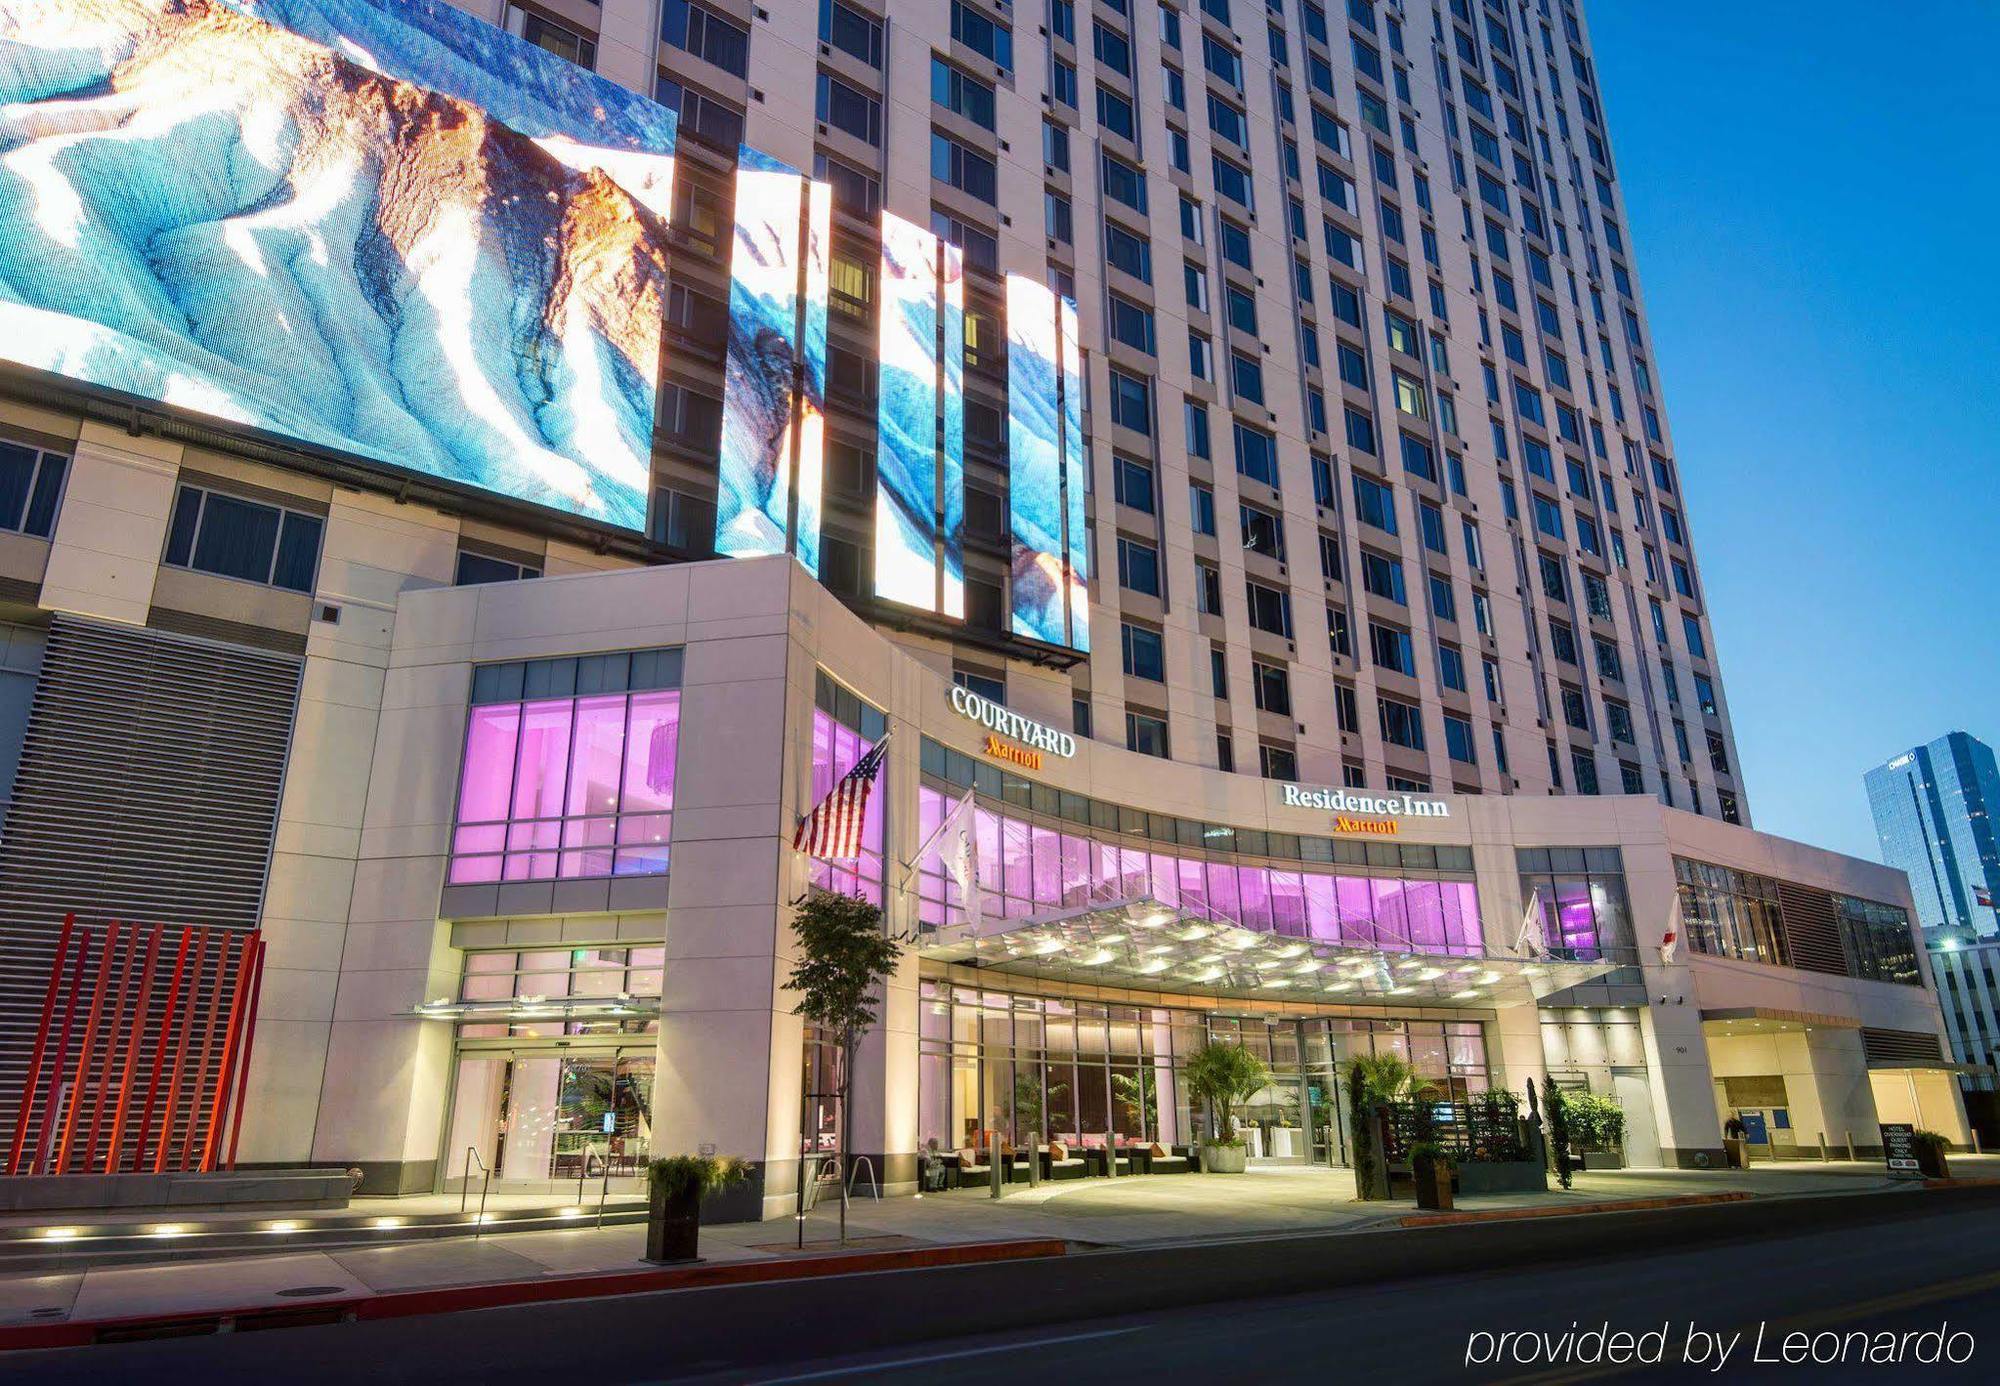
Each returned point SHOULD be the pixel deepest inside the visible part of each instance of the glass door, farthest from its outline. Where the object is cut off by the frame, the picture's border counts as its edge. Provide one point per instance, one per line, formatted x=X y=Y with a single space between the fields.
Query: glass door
x=547 y=1116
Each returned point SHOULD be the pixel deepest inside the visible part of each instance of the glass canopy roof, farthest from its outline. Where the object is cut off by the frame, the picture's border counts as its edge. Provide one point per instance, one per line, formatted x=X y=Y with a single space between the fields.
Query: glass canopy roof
x=1144 y=944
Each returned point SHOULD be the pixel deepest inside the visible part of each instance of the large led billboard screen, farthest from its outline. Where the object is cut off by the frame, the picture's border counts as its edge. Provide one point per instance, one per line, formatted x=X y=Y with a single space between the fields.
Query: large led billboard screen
x=1045 y=467
x=920 y=422
x=774 y=375
x=380 y=227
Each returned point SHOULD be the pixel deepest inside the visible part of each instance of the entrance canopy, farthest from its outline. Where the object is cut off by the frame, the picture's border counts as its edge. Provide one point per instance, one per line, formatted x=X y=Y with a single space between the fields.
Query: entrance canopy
x=1144 y=944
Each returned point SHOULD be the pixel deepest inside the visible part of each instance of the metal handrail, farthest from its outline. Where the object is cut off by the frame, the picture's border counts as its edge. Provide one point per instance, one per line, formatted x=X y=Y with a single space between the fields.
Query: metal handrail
x=465 y=1187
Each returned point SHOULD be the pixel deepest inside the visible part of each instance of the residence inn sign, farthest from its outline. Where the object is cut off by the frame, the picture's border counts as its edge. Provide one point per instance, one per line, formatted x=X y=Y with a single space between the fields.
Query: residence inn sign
x=1385 y=810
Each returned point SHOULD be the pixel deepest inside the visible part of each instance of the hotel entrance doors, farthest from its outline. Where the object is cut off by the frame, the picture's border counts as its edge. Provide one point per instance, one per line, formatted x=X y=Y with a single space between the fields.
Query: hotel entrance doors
x=546 y=1120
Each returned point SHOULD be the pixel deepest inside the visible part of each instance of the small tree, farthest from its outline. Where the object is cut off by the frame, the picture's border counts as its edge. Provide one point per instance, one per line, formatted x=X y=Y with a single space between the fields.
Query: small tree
x=1373 y=1080
x=844 y=956
x=1226 y=1074
x=1559 y=1134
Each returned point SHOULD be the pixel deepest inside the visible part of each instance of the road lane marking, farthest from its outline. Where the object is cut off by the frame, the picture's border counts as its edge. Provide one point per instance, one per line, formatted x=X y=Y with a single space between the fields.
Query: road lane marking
x=863 y=1368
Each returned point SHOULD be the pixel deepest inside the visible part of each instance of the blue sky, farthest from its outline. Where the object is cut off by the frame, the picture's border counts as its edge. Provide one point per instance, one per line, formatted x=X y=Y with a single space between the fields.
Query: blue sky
x=1813 y=207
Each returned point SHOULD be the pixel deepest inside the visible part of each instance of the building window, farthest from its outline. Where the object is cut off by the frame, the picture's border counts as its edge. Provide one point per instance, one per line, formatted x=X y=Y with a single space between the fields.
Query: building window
x=1878 y=941
x=1138 y=566
x=844 y=730
x=213 y=532
x=987 y=686
x=569 y=769
x=554 y=38
x=707 y=35
x=477 y=568
x=1729 y=913
x=1272 y=686
x=1578 y=893
x=853 y=32
x=1277 y=762
x=1146 y=734
x=31 y=483
x=1145 y=654
x=846 y=108
x=1402 y=723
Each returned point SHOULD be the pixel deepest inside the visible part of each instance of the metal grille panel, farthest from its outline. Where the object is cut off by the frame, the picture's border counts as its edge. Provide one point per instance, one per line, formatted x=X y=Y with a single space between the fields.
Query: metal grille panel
x=148 y=792
x=1812 y=932
x=1891 y=1047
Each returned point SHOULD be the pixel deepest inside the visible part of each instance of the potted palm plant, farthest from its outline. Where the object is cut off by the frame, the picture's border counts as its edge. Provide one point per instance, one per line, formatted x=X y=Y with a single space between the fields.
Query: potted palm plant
x=1931 y=1148
x=1430 y=1167
x=677 y=1185
x=1225 y=1074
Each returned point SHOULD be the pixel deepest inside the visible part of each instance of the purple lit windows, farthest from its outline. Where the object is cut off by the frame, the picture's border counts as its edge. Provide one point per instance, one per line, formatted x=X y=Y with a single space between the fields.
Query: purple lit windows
x=836 y=748
x=1026 y=869
x=567 y=788
x=1579 y=895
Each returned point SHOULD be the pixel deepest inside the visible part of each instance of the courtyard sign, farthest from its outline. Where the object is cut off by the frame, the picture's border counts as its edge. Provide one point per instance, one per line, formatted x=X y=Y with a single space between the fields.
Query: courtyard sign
x=996 y=718
x=1344 y=802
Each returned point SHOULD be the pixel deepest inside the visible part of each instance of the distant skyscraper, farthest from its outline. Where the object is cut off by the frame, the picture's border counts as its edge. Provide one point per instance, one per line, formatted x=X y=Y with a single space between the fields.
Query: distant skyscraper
x=1933 y=808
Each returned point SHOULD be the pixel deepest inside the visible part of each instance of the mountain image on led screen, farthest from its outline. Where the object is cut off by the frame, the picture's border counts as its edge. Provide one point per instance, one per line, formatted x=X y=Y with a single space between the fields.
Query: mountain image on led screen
x=380 y=227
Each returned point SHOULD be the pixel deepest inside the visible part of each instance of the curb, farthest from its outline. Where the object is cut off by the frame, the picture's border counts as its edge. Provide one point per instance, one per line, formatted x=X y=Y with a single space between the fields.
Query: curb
x=499 y=1294
x=1624 y=1205
x=1977 y=1181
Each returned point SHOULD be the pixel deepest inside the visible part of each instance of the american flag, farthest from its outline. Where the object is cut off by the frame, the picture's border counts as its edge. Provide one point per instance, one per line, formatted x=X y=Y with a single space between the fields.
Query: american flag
x=832 y=831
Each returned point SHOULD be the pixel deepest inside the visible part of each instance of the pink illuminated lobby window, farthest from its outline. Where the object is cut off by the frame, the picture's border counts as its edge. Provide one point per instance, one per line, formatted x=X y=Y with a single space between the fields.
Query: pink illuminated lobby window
x=1028 y=869
x=571 y=786
x=845 y=728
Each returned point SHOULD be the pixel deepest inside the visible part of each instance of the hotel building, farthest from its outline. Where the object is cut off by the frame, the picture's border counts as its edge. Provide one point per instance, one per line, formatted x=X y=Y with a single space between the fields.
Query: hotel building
x=505 y=768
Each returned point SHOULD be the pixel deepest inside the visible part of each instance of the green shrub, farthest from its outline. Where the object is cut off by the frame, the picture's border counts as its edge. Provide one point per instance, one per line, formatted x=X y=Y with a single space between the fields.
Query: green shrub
x=674 y=1176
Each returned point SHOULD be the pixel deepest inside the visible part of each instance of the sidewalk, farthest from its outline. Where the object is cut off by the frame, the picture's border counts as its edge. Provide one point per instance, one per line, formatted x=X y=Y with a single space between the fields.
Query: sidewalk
x=1087 y=1215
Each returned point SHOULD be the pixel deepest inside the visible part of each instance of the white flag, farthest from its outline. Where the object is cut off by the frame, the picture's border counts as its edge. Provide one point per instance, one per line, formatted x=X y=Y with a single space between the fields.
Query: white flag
x=960 y=852
x=1526 y=941
x=1670 y=942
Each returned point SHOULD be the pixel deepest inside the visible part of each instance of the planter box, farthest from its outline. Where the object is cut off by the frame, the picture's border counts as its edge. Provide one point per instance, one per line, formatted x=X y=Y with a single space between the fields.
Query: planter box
x=673 y=1228
x=1932 y=1163
x=1512 y=1176
x=1433 y=1183
x=1225 y=1159
x=1603 y=1159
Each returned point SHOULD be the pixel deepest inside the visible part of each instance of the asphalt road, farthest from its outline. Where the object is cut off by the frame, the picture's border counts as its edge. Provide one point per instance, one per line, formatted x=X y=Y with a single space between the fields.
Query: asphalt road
x=1395 y=1306
x=1911 y=1276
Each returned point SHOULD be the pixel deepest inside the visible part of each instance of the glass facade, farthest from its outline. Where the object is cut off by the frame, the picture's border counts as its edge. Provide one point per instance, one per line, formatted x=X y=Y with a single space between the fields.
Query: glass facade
x=1730 y=914
x=1085 y=1071
x=555 y=1099
x=1580 y=895
x=568 y=769
x=1027 y=867
x=1933 y=807
x=844 y=730
x=1878 y=941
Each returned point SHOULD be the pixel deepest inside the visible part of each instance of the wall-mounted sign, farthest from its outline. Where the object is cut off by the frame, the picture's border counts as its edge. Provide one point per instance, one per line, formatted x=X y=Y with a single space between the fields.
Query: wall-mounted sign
x=1007 y=750
x=1343 y=801
x=996 y=718
x=1375 y=827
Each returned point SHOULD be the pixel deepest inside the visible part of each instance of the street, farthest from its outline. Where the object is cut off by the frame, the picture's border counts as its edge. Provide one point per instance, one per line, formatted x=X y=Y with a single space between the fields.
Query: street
x=1915 y=1274
x=1705 y=1282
